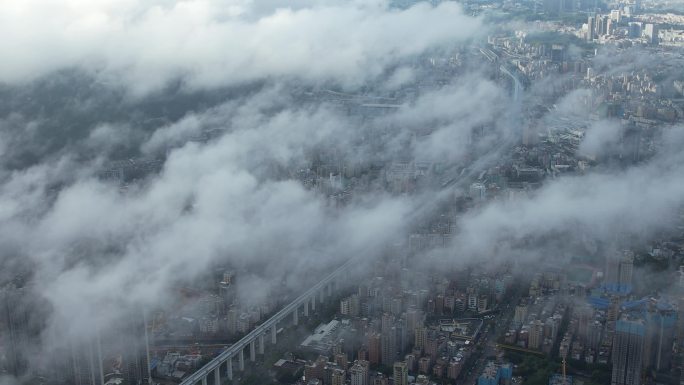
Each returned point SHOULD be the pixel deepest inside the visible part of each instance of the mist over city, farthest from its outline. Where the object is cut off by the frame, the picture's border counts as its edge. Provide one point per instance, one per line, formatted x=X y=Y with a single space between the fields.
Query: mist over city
x=327 y=192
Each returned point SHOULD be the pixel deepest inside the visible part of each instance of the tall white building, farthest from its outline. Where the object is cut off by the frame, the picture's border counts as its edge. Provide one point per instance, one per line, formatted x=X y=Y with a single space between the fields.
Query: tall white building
x=478 y=192
x=359 y=373
x=651 y=33
x=400 y=373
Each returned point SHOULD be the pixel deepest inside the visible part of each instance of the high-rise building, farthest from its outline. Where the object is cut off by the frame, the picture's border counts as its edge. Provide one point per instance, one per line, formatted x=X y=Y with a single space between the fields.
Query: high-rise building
x=626 y=270
x=410 y=360
x=390 y=346
x=616 y=15
x=433 y=345
x=362 y=354
x=660 y=335
x=439 y=304
x=22 y=318
x=584 y=319
x=341 y=360
x=680 y=319
x=414 y=318
x=482 y=303
x=231 y=320
x=520 y=316
x=387 y=322
x=316 y=369
x=339 y=377
x=628 y=349
x=403 y=339
x=379 y=379
x=594 y=335
x=651 y=33
x=591 y=28
x=478 y=192
x=536 y=336
x=454 y=368
x=15 y=316
x=612 y=272
x=227 y=288
x=618 y=274
x=602 y=25
x=400 y=373
x=350 y=305
x=421 y=337
x=86 y=363
x=374 y=349
x=122 y=352
x=424 y=364
x=359 y=373
x=472 y=298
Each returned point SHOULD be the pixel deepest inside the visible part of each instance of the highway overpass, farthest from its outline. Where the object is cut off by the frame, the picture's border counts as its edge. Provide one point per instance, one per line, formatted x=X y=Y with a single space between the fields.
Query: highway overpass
x=255 y=340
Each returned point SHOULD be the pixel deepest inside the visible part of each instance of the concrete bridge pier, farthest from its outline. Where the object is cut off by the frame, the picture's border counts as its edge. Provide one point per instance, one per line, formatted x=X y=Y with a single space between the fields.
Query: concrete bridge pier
x=274 y=332
x=229 y=368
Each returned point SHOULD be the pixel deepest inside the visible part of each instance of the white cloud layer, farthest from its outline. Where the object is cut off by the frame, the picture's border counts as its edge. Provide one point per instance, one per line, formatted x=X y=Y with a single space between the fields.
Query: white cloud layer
x=211 y=43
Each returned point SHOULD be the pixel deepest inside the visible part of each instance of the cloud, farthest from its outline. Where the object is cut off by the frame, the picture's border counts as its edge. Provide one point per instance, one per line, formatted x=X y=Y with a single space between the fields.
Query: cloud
x=444 y=120
x=399 y=77
x=612 y=208
x=145 y=44
x=100 y=252
x=229 y=192
x=575 y=103
x=213 y=202
x=601 y=138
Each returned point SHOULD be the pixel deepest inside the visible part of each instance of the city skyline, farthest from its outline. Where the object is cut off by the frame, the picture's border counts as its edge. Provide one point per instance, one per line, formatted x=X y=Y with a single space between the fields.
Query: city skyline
x=440 y=185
